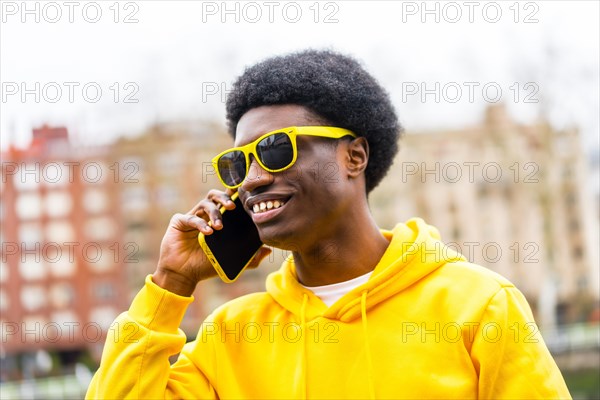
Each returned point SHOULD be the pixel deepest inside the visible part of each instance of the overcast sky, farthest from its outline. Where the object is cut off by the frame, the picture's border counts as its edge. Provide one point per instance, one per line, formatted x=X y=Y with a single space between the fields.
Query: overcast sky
x=177 y=58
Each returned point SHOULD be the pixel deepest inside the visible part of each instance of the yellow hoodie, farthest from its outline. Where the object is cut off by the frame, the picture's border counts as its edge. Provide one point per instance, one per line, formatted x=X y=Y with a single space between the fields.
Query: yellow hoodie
x=427 y=324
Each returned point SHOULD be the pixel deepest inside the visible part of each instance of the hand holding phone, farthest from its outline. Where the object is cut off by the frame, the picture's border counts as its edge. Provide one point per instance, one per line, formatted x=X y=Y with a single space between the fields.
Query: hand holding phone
x=231 y=249
x=182 y=262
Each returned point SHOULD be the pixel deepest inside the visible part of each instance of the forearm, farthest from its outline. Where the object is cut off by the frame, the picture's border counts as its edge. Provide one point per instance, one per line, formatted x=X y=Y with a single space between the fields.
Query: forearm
x=135 y=360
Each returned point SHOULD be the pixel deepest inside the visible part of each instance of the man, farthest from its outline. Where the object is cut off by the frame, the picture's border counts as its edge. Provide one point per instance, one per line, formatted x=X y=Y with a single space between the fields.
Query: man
x=357 y=312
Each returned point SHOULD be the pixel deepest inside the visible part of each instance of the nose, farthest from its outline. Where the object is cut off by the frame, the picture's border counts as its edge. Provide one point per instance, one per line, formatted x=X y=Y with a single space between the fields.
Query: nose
x=256 y=177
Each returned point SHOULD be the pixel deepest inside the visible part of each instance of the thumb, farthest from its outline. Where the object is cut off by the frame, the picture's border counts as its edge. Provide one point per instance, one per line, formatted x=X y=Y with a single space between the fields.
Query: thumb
x=260 y=255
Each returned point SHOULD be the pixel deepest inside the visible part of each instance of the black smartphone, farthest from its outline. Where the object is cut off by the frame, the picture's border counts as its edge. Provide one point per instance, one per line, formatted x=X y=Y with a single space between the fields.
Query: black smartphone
x=231 y=249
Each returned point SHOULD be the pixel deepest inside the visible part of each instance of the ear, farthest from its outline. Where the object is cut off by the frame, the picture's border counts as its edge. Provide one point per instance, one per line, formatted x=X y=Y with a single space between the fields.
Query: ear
x=357 y=157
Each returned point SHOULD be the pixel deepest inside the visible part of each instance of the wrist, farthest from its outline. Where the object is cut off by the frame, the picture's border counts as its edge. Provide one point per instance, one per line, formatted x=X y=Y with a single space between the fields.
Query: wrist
x=174 y=282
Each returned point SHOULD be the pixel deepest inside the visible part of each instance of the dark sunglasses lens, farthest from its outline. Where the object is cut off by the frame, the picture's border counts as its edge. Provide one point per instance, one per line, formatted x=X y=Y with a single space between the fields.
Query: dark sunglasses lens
x=232 y=167
x=275 y=151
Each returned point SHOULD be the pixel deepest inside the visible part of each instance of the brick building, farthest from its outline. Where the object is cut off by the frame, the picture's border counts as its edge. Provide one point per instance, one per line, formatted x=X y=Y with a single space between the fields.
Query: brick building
x=62 y=275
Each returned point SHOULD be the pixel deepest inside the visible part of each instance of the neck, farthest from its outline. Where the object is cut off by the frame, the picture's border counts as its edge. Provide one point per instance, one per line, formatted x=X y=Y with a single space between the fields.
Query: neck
x=344 y=253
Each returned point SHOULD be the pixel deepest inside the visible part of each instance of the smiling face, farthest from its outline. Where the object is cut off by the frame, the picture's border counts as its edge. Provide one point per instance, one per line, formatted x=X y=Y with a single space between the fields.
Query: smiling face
x=315 y=192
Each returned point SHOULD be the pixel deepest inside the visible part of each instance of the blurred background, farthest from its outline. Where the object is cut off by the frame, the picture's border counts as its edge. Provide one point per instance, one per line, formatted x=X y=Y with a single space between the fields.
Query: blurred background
x=111 y=112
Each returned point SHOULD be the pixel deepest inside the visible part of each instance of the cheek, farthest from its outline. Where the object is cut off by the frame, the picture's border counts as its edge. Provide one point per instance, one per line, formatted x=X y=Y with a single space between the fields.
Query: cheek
x=319 y=166
x=330 y=173
x=323 y=174
x=329 y=170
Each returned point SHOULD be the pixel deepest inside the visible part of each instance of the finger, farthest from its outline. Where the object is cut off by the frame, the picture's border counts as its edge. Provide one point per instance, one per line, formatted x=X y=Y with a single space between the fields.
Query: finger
x=213 y=193
x=217 y=198
x=209 y=212
x=186 y=223
x=222 y=198
x=262 y=253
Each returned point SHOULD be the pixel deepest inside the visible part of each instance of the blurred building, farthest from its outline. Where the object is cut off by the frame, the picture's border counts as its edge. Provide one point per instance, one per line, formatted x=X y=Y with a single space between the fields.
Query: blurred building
x=513 y=198
x=61 y=270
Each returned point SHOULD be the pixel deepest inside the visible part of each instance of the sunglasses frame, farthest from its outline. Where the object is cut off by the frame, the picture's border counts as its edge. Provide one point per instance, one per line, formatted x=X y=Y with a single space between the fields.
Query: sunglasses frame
x=292 y=132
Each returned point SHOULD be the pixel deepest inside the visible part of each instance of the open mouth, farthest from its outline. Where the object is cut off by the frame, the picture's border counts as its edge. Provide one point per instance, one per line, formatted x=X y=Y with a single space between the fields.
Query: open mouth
x=265 y=206
x=267 y=209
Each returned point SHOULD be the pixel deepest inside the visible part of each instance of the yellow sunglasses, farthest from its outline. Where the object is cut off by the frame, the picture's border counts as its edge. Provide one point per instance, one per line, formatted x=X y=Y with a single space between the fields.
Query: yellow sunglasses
x=275 y=152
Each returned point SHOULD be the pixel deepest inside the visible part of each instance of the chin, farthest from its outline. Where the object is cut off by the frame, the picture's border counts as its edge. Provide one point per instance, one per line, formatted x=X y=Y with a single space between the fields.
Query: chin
x=286 y=238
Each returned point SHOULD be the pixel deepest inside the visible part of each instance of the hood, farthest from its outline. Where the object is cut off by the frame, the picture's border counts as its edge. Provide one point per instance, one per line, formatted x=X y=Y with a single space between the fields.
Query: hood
x=414 y=252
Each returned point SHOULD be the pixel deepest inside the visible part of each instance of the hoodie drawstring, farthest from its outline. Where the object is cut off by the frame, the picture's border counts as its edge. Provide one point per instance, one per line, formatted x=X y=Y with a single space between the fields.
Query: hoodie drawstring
x=363 y=312
x=303 y=365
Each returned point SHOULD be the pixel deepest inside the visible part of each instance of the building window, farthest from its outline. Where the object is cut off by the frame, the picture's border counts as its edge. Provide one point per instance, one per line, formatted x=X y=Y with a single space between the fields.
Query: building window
x=135 y=199
x=104 y=291
x=95 y=201
x=62 y=295
x=33 y=297
x=32 y=268
x=60 y=232
x=167 y=196
x=30 y=234
x=29 y=205
x=58 y=204
x=100 y=228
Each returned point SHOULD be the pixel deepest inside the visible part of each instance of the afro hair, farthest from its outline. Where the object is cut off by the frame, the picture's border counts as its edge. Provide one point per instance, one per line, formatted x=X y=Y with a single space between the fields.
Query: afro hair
x=336 y=88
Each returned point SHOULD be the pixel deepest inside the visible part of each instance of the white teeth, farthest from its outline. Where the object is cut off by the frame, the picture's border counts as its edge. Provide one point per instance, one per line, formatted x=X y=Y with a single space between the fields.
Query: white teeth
x=267 y=205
